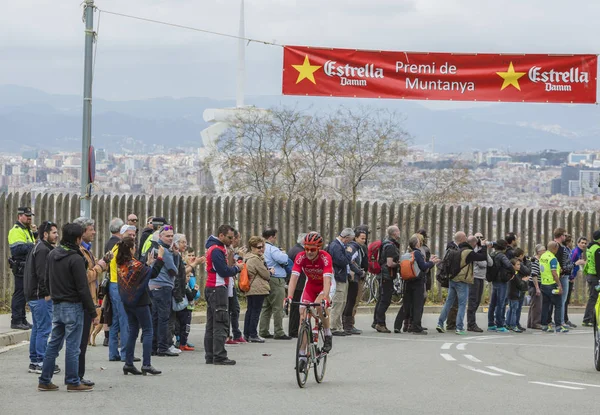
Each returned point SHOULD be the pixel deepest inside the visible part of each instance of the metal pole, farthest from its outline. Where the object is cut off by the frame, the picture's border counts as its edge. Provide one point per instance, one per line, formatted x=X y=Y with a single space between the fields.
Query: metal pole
x=87 y=110
x=241 y=69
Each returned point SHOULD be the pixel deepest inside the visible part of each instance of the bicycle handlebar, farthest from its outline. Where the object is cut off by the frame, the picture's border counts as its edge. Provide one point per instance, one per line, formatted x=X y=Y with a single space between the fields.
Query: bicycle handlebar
x=300 y=303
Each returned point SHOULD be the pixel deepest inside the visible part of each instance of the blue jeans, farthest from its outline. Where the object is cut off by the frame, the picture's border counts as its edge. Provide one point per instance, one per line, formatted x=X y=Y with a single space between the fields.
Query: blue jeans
x=496 y=309
x=460 y=290
x=41 y=314
x=161 y=314
x=67 y=326
x=139 y=317
x=564 y=282
x=514 y=313
x=119 y=325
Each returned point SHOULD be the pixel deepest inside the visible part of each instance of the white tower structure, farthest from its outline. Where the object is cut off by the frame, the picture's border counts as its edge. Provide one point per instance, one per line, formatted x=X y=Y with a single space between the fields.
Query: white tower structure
x=223 y=118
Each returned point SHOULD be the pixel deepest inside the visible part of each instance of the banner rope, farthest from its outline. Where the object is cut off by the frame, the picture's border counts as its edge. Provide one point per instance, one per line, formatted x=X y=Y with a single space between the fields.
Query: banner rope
x=196 y=29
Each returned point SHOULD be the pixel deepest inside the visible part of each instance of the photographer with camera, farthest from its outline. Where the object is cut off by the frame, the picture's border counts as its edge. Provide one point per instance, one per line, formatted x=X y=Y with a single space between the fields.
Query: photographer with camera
x=476 y=290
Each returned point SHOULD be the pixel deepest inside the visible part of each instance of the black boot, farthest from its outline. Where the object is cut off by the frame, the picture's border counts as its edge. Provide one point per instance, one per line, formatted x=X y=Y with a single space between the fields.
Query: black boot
x=151 y=370
x=131 y=369
x=347 y=324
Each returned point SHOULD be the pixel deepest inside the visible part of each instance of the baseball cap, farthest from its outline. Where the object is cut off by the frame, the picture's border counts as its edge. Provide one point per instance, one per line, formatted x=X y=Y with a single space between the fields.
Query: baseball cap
x=126 y=228
x=596 y=235
x=158 y=221
x=26 y=210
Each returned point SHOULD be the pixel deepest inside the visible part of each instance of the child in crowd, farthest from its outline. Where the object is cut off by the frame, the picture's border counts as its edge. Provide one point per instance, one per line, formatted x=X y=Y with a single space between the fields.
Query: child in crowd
x=516 y=290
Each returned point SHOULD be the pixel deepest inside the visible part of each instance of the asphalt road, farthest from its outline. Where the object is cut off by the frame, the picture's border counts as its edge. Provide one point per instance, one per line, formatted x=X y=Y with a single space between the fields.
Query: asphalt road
x=376 y=373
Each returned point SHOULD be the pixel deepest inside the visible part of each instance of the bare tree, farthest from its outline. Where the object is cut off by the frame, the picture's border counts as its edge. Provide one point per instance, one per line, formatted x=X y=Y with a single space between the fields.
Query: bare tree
x=362 y=141
x=279 y=153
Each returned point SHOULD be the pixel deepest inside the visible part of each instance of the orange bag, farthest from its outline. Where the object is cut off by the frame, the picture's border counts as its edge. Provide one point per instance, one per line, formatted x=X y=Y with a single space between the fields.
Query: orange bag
x=244 y=281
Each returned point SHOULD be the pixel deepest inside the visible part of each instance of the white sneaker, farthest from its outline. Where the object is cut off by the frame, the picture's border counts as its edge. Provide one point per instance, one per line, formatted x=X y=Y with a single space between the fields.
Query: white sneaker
x=174 y=349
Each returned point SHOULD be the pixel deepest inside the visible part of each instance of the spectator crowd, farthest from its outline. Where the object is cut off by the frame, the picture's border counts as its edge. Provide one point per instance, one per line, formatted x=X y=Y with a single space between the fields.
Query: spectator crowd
x=146 y=282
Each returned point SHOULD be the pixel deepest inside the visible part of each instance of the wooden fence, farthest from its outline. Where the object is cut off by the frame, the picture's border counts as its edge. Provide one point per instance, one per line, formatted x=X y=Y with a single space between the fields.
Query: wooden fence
x=199 y=216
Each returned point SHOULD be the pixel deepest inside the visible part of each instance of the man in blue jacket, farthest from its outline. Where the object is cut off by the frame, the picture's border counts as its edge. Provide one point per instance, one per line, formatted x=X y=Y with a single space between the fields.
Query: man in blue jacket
x=341 y=256
x=276 y=260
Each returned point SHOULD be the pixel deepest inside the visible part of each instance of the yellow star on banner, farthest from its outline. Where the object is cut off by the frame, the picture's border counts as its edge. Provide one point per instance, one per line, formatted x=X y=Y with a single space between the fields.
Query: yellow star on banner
x=306 y=71
x=511 y=77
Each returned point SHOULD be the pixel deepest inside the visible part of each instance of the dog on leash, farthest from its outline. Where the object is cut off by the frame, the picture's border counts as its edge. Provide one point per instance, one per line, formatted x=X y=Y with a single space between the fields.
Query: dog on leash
x=96 y=328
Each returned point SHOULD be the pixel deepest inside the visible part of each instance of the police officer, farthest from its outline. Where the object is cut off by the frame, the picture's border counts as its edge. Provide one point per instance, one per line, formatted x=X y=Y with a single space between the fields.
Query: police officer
x=21 y=239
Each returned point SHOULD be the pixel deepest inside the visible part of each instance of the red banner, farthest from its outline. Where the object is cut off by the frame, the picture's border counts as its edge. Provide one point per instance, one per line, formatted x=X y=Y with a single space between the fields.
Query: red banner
x=439 y=76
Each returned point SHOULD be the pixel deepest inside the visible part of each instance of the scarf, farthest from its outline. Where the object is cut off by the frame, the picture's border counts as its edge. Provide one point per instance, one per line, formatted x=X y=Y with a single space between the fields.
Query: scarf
x=133 y=280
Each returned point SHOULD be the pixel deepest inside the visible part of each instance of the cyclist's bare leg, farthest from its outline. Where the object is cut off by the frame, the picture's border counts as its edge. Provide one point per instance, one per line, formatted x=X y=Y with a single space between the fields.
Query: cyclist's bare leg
x=302 y=318
x=320 y=312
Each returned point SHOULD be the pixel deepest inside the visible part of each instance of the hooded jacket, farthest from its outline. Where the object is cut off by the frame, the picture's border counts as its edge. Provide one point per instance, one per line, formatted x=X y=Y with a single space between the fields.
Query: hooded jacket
x=67 y=277
x=216 y=264
x=35 y=280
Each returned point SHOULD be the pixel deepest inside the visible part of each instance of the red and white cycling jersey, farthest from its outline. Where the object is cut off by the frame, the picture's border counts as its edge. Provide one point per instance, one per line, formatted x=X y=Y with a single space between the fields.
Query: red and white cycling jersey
x=315 y=271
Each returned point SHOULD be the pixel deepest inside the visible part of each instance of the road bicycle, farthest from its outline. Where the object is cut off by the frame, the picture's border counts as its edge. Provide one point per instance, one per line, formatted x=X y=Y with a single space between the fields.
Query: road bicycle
x=371 y=290
x=312 y=340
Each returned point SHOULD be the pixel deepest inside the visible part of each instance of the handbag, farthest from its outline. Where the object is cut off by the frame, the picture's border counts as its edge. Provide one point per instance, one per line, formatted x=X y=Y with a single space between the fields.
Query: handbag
x=180 y=306
x=103 y=286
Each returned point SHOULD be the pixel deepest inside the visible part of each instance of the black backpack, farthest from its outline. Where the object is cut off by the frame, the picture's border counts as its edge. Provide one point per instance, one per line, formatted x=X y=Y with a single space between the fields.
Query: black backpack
x=492 y=274
x=449 y=267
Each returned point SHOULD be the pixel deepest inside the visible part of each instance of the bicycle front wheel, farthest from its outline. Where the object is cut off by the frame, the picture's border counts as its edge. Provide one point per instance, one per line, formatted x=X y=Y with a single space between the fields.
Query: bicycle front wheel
x=303 y=342
x=320 y=358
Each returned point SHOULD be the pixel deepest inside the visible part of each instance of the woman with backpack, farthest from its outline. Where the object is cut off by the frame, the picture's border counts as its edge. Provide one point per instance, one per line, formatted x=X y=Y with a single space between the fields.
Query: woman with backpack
x=414 y=289
x=259 y=276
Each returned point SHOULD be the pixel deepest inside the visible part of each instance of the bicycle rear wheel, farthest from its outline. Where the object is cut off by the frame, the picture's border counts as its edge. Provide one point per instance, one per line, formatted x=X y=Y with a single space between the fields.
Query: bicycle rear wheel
x=321 y=358
x=303 y=337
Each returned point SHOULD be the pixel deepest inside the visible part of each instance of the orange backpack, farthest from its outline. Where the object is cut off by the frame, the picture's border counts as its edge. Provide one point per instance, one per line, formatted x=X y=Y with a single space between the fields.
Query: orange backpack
x=244 y=280
x=408 y=268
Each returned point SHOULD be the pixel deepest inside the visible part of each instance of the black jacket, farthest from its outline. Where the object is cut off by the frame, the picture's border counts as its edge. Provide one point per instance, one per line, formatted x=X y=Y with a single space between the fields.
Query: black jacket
x=292 y=253
x=112 y=241
x=516 y=286
x=389 y=249
x=181 y=288
x=35 y=279
x=506 y=270
x=67 y=277
x=357 y=265
x=564 y=259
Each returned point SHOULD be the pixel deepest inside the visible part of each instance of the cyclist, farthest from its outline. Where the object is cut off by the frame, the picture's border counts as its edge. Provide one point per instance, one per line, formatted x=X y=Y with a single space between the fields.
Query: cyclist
x=317 y=266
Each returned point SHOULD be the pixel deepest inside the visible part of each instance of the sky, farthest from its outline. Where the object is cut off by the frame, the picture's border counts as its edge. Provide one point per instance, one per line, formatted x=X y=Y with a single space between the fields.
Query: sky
x=42 y=41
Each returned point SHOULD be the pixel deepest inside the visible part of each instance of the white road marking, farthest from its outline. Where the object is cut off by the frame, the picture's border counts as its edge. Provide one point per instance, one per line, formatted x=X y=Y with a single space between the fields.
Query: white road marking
x=447 y=357
x=579 y=384
x=474 y=369
x=461 y=346
x=447 y=346
x=505 y=372
x=472 y=358
x=496 y=336
x=421 y=340
x=557 y=386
